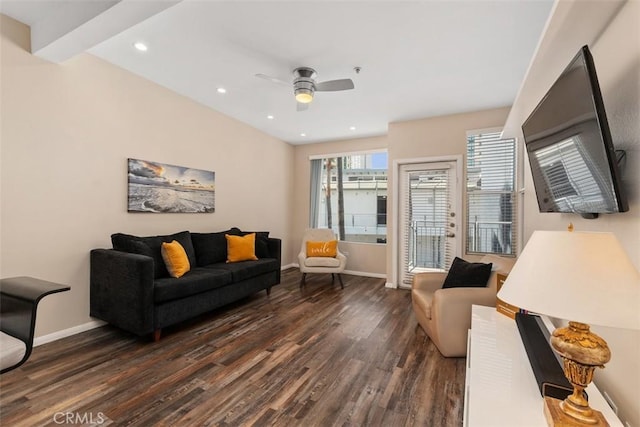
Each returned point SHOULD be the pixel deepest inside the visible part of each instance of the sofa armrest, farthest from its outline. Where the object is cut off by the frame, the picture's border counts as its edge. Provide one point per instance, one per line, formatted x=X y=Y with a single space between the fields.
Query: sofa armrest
x=122 y=289
x=431 y=281
x=275 y=247
x=275 y=251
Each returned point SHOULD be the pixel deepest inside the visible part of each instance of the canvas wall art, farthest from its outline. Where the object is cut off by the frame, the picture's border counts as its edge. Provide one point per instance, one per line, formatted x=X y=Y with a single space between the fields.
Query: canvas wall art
x=158 y=187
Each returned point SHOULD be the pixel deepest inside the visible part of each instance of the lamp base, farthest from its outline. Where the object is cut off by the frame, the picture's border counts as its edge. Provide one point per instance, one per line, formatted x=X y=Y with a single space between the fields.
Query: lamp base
x=557 y=418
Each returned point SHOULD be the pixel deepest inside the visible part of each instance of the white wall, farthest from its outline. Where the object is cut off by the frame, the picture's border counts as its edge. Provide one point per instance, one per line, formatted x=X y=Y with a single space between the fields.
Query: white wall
x=66 y=133
x=615 y=45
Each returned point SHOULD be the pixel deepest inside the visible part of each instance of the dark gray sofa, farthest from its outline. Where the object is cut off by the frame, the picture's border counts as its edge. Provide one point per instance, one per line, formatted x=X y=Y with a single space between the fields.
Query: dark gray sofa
x=130 y=286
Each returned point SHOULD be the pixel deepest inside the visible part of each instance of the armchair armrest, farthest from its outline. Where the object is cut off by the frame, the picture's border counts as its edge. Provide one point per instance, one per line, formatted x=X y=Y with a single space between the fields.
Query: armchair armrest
x=431 y=281
x=451 y=316
x=122 y=289
x=447 y=301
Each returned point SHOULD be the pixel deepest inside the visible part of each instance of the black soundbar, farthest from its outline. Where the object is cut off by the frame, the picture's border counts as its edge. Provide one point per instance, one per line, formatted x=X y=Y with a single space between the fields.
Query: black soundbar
x=546 y=366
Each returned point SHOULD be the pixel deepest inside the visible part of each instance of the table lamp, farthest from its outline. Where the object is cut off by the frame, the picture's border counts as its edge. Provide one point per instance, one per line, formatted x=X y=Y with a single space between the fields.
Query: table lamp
x=586 y=278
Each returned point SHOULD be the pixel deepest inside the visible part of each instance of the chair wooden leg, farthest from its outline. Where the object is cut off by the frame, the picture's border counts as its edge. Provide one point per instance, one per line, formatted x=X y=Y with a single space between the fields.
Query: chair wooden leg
x=156 y=335
x=340 y=279
x=302 y=281
x=333 y=278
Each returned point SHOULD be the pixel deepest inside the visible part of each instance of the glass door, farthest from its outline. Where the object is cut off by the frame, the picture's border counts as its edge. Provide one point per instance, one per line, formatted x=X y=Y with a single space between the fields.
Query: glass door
x=428 y=221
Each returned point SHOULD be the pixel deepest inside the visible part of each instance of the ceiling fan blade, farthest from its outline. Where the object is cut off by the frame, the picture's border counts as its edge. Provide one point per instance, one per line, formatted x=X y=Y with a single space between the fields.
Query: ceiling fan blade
x=334 y=85
x=300 y=106
x=273 y=79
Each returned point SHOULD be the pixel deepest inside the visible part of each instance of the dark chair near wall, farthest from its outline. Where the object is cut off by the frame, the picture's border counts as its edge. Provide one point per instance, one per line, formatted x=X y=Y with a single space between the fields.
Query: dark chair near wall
x=19 y=298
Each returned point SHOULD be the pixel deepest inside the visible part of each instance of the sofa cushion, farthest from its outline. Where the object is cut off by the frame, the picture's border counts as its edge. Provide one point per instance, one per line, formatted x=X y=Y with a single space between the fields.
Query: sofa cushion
x=210 y=248
x=150 y=246
x=464 y=274
x=262 y=241
x=243 y=270
x=321 y=262
x=195 y=281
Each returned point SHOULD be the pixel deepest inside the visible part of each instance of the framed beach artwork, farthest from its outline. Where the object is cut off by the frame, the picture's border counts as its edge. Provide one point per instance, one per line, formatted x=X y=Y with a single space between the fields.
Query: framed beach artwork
x=158 y=187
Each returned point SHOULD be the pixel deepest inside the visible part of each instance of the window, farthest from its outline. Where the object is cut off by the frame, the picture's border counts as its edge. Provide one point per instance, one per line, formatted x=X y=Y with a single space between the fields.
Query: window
x=349 y=195
x=491 y=195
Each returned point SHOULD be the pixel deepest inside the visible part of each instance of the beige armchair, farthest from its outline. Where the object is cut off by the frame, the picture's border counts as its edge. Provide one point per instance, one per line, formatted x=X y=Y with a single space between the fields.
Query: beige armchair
x=320 y=264
x=445 y=314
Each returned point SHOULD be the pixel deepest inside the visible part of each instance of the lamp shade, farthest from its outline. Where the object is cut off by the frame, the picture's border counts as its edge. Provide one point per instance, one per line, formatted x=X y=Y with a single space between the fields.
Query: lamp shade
x=580 y=276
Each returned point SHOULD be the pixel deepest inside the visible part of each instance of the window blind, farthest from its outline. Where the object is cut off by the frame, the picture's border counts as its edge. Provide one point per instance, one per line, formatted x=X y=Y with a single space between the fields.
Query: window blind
x=491 y=195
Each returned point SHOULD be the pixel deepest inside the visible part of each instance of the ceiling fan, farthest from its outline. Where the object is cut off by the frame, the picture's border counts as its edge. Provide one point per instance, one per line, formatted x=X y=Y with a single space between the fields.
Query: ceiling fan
x=305 y=85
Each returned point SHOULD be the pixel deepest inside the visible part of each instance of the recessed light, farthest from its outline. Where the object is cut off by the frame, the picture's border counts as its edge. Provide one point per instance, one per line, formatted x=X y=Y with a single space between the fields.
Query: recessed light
x=221 y=90
x=140 y=46
x=270 y=117
x=352 y=128
x=303 y=134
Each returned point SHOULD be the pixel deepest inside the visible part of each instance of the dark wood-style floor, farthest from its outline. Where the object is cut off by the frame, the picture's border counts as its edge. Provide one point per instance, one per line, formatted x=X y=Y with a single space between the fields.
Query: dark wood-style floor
x=317 y=357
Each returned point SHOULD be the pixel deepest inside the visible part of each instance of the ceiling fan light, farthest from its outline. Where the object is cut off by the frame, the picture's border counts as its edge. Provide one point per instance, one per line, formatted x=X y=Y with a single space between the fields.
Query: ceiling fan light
x=304 y=96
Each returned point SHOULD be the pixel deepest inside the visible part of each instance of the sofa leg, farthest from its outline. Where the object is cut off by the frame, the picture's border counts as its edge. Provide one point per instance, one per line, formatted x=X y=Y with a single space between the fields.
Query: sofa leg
x=156 y=335
x=333 y=278
x=340 y=278
x=269 y=291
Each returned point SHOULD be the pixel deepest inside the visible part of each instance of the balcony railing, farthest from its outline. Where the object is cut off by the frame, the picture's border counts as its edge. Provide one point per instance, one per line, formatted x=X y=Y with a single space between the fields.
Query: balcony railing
x=427 y=241
x=492 y=237
x=426 y=244
x=370 y=228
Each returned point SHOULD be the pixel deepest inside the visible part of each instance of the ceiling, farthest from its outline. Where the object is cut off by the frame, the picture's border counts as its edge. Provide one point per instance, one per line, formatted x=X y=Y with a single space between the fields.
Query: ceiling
x=418 y=58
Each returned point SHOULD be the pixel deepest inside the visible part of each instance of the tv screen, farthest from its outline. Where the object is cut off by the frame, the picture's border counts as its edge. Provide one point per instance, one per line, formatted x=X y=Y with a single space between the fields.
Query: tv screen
x=569 y=145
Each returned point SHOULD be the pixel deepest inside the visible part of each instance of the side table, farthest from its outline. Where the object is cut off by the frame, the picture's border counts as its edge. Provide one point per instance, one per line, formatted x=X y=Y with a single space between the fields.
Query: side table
x=19 y=298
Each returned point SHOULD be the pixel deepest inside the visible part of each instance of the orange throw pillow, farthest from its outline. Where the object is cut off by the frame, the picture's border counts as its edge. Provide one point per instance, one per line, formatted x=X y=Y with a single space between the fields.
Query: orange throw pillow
x=175 y=258
x=322 y=249
x=241 y=248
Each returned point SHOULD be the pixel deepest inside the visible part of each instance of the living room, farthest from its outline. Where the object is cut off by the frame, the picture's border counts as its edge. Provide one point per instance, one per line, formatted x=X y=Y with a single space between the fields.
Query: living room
x=67 y=130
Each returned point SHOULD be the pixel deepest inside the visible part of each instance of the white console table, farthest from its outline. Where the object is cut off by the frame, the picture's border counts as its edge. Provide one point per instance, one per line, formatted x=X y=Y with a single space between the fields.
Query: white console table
x=500 y=387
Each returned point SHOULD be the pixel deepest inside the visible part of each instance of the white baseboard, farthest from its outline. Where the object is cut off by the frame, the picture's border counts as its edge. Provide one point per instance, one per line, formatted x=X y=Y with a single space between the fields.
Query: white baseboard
x=292 y=265
x=366 y=274
x=67 y=332
x=390 y=285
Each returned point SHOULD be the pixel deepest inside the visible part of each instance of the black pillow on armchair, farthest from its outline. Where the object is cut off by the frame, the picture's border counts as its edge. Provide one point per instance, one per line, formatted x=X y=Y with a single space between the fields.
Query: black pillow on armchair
x=463 y=274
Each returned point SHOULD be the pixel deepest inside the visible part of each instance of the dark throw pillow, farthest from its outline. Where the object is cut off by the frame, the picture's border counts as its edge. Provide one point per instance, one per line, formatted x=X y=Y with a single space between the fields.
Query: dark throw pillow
x=150 y=246
x=463 y=274
x=211 y=248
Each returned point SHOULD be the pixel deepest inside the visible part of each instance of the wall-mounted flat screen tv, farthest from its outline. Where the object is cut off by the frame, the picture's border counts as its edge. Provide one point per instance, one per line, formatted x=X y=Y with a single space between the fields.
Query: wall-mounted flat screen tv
x=569 y=146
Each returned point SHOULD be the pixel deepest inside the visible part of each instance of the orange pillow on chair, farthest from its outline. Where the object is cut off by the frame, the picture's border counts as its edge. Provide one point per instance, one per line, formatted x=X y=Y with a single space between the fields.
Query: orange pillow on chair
x=322 y=249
